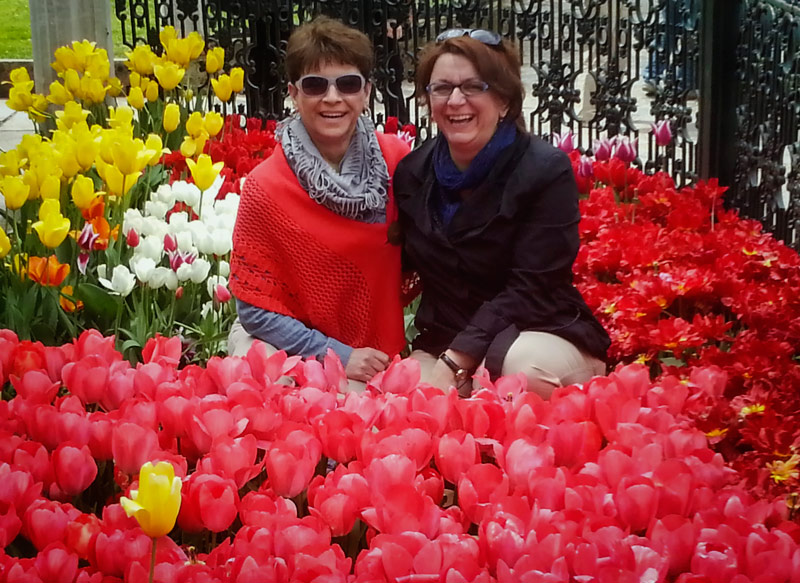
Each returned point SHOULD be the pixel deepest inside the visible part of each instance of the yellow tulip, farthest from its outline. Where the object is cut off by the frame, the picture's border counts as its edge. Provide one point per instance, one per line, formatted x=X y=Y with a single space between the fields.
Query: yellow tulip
x=66 y=59
x=155 y=145
x=204 y=172
x=222 y=87
x=118 y=183
x=136 y=98
x=151 y=92
x=237 y=79
x=141 y=60
x=97 y=65
x=86 y=144
x=215 y=60
x=51 y=227
x=179 y=51
x=213 y=123
x=156 y=503
x=71 y=114
x=130 y=155
x=20 y=97
x=38 y=109
x=5 y=244
x=167 y=34
x=172 y=117
x=15 y=191
x=59 y=94
x=50 y=188
x=10 y=163
x=189 y=147
x=121 y=118
x=114 y=87
x=72 y=81
x=169 y=75
x=93 y=89
x=83 y=192
x=196 y=44
x=20 y=75
x=66 y=157
x=83 y=51
x=194 y=125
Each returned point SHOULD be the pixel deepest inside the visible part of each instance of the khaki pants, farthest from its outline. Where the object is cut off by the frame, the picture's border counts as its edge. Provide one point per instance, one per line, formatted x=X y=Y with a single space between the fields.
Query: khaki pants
x=548 y=361
x=239 y=342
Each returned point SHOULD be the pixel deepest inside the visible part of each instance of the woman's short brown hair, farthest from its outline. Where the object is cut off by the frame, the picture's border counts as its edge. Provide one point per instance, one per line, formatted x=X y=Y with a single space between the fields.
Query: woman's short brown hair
x=499 y=66
x=326 y=40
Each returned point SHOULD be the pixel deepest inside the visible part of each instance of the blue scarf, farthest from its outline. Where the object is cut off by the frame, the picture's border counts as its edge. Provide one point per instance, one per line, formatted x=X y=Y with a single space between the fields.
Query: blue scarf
x=452 y=181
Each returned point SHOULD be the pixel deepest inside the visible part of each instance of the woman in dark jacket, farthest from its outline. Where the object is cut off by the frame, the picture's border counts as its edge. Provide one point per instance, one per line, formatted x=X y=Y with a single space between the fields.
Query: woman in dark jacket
x=489 y=216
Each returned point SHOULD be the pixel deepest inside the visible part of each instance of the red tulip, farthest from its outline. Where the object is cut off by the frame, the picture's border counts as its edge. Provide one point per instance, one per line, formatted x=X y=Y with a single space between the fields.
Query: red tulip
x=521 y=457
x=26 y=356
x=339 y=497
x=264 y=508
x=291 y=463
x=210 y=420
x=73 y=427
x=17 y=488
x=87 y=378
x=574 y=444
x=33 y=457
x=414 y=442
x=233 y=458
x=74 y=467
x=456 y=452
x=479 y=487
x=162 y=350
x=674 y=536
x=10 y=523
x=22 y=571
x=100 y=431
x=430 y=483
x=401 y=377
x=36 y=386
x=56 y=564
x=209 y=502
x=45 y=522
x=339 y=432
x=92 y=342
x=637 y=502
x=132 y=445
x=81 y=534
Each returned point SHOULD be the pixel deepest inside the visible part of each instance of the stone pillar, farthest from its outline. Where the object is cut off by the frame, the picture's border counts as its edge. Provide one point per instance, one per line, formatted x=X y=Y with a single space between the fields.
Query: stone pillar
x=55 y=23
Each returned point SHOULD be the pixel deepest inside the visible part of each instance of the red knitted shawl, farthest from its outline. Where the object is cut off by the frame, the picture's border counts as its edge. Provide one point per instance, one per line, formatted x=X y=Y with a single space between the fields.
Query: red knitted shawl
x=295 y=257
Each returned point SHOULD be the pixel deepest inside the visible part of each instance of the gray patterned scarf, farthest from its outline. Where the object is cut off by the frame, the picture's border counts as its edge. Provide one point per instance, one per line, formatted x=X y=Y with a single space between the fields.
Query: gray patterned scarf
x=359 y=190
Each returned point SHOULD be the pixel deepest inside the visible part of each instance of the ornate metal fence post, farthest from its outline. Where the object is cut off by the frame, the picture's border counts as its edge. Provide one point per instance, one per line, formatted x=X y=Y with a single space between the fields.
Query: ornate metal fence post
x=717 y=135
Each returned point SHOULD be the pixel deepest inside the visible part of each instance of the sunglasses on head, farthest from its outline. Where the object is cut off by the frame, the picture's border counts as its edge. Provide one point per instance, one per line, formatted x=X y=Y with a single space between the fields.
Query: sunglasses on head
x=487 y=37
x=317 y=85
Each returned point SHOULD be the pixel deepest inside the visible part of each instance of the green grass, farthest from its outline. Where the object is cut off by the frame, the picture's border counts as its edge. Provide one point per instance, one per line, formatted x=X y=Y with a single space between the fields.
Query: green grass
x=15 y=39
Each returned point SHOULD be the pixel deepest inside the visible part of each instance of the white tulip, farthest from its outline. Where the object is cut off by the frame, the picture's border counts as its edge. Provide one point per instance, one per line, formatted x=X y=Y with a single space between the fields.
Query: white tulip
x=206 y=309
x=224 y=268
x=185 y=192
x=199 y=270
x=143 y=267
x=213 y=281
x=133 y=220
x=222 y=242
x=156 y=208
x=164 y=194
x=122 y=281
x=163 y=277
x=151 y=246
x=185 y=243
x=178 y=221
x=184 y=271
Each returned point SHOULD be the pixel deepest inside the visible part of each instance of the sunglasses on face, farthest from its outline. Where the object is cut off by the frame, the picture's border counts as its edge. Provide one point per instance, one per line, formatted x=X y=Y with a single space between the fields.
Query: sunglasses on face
x=317 y=85
x=469 y=88
x=487 y=37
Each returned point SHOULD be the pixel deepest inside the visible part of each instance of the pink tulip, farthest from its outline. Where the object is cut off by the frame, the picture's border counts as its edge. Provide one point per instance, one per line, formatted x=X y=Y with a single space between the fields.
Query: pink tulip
x=456 y=452
x=210 y=420
x=414 y=442
x=170 y=243
x=132 y=445
x=602 y=149
x=265 y=509
x=74 y=467
x=87 y=378
x=521 y=458
x=637 y=502
x=404 y=509
x=334 y=507
x=56 y=564
x=662 y=132
x=401 y=377
x=564 y=141
x=162 y=350
x=585 y=167
x=92 y=342
x=221 y=294
x=674 y=536
x=626 y=149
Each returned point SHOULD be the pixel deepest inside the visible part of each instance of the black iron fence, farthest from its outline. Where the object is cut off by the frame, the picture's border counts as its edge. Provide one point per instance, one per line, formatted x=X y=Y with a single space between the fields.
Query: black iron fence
x=723 y=72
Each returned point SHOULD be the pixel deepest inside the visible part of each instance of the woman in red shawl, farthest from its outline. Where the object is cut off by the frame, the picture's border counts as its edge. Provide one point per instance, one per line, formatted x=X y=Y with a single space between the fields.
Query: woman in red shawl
x=312 y=268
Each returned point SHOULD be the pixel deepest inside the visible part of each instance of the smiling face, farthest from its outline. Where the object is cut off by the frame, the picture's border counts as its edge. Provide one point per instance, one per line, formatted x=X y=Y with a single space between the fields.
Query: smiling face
x=330 y=119
x=468 y=123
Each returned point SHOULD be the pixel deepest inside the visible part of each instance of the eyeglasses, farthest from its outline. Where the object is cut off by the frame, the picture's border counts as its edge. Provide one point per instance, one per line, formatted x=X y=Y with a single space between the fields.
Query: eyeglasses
x=469 y=88
x=317 y=85
x=487 y=37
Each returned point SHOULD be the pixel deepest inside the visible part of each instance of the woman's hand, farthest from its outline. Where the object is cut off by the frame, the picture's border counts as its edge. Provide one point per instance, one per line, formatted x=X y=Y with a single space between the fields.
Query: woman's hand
x=365 y=363
x=443 y=377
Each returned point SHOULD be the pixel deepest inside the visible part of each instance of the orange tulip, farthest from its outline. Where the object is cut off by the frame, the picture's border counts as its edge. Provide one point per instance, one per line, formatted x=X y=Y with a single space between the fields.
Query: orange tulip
x=66 y=303
x=47 y=272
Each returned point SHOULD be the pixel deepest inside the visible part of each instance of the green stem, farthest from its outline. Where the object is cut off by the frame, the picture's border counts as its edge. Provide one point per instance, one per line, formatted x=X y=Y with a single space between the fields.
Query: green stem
x=153 y=560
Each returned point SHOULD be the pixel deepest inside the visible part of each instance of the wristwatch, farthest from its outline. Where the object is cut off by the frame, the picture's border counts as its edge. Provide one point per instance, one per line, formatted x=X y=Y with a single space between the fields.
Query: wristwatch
x=462 y=374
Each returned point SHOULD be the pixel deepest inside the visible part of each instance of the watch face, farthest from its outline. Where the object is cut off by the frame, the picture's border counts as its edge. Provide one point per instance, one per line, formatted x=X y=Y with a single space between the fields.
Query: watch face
x=462 y=375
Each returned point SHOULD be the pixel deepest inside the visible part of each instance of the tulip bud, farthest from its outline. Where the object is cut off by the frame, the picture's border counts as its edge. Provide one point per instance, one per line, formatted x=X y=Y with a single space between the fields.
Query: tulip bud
x=172 y=117
x=662 y=132
x=221 y=294
x=136 y=98
x=585 y=168
x=170 y=243
x=132 y=238
x=179 y=293
x=151 y=93
x=237 y=79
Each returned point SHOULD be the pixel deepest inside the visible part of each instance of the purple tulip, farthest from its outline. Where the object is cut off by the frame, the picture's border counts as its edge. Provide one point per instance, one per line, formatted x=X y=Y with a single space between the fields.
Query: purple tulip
x=602 y=149
x=564 y=141
x=585 y=167
x=626 y=149
x=662 y=132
